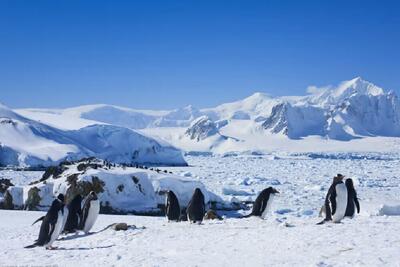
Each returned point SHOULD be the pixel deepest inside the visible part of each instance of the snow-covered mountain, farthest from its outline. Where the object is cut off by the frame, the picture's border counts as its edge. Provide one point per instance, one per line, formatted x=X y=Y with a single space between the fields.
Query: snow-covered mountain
x=353 y=110
x=26 y=142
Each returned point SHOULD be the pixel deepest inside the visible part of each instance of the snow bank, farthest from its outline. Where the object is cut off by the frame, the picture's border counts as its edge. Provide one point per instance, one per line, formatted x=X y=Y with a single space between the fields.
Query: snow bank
x=389 y=210
x=120 y=189
x=26 y=142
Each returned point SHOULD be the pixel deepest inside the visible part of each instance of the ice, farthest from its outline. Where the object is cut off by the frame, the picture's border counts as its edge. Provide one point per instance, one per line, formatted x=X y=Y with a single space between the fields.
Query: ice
x=390 y=210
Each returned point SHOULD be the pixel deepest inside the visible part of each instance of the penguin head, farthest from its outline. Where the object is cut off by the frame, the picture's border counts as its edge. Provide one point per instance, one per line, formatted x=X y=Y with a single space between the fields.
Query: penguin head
x=338 y=178
x=61 y=198
x=171 y=193
x=92 y=195
x=349 y=183
x=198 y=193
x=272 y=190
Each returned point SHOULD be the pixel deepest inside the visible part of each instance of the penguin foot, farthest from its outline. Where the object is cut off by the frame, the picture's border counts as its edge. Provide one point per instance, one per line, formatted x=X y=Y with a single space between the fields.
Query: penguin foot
x=51 y=248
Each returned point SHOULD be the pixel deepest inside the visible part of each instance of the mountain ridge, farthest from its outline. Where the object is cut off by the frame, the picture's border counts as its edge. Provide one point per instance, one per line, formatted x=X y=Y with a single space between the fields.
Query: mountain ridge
x=351 y=110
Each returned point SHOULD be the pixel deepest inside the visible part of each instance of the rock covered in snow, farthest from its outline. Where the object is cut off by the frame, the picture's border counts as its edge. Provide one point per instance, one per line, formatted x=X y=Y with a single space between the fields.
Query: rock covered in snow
x=201 y=129
x=120 y=189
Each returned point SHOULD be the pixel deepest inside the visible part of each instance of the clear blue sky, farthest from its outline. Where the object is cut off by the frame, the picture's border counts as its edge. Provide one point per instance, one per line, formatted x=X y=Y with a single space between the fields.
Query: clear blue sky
x=166 y=54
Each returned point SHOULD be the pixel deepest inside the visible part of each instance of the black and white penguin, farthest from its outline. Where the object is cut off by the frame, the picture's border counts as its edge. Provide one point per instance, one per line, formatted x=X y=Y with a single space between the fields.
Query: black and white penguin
x=263 y=202
x=196 y=207
x=51 y=225
x=352 y=200
x=172 y=208
x=64 y=210
x=335 y=201
x=74 y=215
x=90 y=211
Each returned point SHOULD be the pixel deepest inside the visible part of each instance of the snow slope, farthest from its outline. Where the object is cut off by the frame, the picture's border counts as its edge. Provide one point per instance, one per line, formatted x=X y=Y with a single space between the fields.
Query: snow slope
x=25 y=142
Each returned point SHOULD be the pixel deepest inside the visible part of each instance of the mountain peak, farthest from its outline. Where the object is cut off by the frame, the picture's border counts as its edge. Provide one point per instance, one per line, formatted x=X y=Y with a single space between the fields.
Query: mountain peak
x=258 y=95
x=359 y=86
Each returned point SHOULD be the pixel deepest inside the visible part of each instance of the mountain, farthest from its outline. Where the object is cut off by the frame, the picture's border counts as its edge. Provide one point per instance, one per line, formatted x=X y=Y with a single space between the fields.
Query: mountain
x=352 y=110
x=25 y=142
x=201 y=129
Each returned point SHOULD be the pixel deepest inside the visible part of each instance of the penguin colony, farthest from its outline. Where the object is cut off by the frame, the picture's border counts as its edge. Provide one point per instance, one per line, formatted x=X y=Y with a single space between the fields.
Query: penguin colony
x=340 y=201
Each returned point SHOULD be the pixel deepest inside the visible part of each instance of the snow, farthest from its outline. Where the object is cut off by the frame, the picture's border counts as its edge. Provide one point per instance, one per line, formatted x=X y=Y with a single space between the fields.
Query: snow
x=123 y=189
x=295 y=144
x=389 y=210
x=352 y=110
x=289 y=235
x=233 y=242
x=56 y=118
x=26 y=142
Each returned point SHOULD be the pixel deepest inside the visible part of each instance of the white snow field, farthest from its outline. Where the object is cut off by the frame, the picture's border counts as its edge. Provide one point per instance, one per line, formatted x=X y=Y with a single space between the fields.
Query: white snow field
x=288 y=237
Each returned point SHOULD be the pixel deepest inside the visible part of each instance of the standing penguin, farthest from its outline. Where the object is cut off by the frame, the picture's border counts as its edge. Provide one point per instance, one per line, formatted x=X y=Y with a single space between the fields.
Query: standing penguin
x=74 y=214
x=352 y=199
x=64 y=211
x=196 y=207
x=172 y=208
x=51 y=225
x=90 y=211
x=65 y=216
x=336 y=201
x=263 y=203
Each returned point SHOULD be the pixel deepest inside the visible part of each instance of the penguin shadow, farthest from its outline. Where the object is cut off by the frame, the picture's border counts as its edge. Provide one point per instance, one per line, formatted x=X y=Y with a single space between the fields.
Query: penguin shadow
x=231 y=214
x=87 y=248
x=77 y=235
x=74 y=236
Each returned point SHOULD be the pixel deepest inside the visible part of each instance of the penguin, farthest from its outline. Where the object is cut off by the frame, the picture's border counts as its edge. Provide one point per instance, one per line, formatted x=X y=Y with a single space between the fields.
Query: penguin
x=51 y=225
x=74 y=215
x=263 y=202
x=172 y=208
x=64 y=211
x=65 y=216
x=336 y=201
x=196 y=207
x=90 y=211
x=352 y=199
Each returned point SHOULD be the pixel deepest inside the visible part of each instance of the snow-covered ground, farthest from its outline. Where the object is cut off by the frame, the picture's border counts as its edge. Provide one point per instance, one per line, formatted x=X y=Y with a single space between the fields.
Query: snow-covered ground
x=288 y=237
x=370 y=241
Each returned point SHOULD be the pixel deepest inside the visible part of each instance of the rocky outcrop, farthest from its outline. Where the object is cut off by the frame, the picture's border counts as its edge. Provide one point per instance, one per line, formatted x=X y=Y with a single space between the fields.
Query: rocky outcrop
x=201 y=129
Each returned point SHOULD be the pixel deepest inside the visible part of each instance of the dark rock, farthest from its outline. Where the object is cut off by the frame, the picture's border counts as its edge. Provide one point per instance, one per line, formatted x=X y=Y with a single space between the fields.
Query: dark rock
x=4 y=185
x=7 y=204
x=120 y=226
x=33 y=201
x=212 y=215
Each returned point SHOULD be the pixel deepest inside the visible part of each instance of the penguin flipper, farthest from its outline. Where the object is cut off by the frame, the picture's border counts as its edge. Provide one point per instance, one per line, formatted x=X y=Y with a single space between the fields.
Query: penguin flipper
x=321 y=222
x=357 y=204
x=40 y=219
